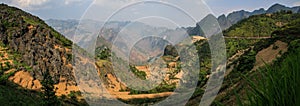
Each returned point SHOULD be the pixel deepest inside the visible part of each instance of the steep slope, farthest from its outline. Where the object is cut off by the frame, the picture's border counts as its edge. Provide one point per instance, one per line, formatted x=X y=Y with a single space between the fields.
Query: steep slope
x=224 y=22
x=38 y=48
x=237 y=16
x=9 y=92
x=244 y=79
x=206 y=22
x=260 y=25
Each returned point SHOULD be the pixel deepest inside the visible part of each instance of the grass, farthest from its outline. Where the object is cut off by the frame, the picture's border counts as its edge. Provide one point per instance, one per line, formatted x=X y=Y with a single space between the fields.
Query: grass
x=30 y=21
x=277 y=84
x=10 y=94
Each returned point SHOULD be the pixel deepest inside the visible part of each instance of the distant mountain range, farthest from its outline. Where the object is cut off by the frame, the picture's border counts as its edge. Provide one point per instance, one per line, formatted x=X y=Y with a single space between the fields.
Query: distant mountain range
x=68 y=27
x=30 y=50
x=122 y=34
x=227 y=21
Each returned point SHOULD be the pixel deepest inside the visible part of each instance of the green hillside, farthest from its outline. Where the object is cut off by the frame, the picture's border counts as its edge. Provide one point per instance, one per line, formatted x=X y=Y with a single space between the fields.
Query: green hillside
x=274 y=83
x=261 y=25
x=291 y=30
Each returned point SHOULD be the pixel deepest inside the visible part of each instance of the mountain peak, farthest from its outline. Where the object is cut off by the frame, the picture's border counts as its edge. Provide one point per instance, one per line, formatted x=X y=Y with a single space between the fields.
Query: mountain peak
x=277 y=7
x=259 y=11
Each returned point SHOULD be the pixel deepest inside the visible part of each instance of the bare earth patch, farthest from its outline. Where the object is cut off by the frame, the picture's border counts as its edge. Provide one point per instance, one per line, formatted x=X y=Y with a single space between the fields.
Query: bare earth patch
x=197 y=38
x=25 y=80
x=269 y=54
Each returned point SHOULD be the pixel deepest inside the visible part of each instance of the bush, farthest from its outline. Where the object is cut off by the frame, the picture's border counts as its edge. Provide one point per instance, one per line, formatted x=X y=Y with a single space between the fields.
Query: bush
x=73 y=95
x=4 y=77
x=247 y=61
x=102 y=53
x=139 y=74
x=275 y=47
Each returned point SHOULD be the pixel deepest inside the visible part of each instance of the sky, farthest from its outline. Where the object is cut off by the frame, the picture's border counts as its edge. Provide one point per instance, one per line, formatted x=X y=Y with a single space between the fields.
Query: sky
x=103 y=9
x=226 y=6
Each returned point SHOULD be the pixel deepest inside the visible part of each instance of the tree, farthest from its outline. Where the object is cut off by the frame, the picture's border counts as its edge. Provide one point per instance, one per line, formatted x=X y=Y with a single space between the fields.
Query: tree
x=48 y=93
x=1 y=72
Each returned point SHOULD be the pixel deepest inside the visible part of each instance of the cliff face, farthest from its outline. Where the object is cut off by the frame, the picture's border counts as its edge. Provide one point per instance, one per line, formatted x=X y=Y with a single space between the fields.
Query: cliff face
x=38 y=46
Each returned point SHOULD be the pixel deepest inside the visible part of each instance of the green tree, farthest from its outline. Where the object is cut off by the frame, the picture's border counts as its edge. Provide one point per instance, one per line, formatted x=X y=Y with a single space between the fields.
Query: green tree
x=48 y=93
x=1 y=71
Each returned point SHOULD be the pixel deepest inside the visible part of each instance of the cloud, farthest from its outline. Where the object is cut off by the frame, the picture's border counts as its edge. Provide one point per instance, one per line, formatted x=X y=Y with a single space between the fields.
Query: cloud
x=296 y=3
x=27 y=4
x=42 y=4
x=69 y=2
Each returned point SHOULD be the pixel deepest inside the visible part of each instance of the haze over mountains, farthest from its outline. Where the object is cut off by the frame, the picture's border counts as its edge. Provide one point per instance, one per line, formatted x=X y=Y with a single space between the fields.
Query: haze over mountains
x=88 y=29
x=232 y=18
x=29 y=48
x=68 y=27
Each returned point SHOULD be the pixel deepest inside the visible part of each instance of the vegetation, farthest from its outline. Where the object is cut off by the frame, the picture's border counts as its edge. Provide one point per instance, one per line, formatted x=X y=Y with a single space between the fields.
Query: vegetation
x=5 y=65
x=261 y=25
x=144 y=101
x=246 y=62
x=48 y=94
x=102 y=53
x=13 y=95
x=289 y=31
x=73 y=95
x=163 y=87
x=139 y=74
x=171 y=51
x=235 y=45
x=277 y=84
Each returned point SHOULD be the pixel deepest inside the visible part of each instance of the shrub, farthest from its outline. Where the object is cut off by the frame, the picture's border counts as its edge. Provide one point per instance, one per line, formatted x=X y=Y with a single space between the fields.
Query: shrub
x=139 y=74
x=275 y=47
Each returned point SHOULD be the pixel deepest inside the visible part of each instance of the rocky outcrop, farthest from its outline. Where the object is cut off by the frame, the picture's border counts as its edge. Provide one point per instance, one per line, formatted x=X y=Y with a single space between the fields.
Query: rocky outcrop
x=38 y=45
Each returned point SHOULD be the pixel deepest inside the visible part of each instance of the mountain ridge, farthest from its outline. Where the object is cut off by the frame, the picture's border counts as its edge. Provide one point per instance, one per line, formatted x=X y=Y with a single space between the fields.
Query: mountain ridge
x=232 y=18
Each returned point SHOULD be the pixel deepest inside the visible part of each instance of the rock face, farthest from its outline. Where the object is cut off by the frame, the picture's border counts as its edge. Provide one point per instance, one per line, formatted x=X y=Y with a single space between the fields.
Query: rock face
x=224 y=22
x=39 y=46
x=237 y=16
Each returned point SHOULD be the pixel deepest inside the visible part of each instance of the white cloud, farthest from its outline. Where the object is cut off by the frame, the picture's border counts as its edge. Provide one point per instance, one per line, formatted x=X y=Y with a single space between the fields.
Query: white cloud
x=296 y=3
x=42 y=4
x=28 y=4
x=68 y=2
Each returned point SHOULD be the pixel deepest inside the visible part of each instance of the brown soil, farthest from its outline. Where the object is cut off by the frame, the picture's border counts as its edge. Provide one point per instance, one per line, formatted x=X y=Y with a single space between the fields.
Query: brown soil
x=64 y=88
x=197 y=38
x=25 y=80
x=115 y=86
x=126 y=96
x=269 y=54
